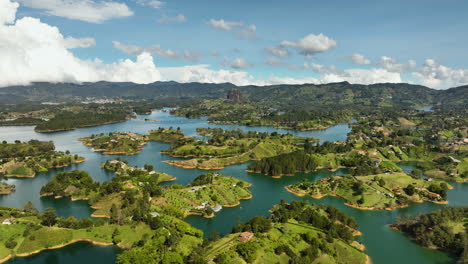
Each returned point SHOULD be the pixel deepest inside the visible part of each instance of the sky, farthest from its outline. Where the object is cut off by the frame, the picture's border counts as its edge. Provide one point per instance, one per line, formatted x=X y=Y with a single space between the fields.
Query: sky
x=259 y=42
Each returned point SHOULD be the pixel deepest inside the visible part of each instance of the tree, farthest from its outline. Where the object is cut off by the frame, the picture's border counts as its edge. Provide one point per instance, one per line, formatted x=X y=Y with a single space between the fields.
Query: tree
x=49 y=218
x=29 y=208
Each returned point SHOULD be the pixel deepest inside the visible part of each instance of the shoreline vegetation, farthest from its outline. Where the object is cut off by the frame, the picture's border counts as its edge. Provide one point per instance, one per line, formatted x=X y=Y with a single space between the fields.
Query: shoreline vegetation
x=444 y=229
x=297 y=231
x=240 y=112
x=116 y=143
x=374 y=192
x=224 y=147
x=29 y=233
x=6 y=188
x=26 y=159
x=79 y=126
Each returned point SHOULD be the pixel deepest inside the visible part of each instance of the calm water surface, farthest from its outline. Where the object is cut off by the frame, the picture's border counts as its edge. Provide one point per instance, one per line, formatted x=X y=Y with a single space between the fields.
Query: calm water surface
x=383 y=244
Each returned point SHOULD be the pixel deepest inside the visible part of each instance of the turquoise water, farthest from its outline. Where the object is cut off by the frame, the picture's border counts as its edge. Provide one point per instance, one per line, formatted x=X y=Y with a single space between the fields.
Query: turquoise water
x=383 y=244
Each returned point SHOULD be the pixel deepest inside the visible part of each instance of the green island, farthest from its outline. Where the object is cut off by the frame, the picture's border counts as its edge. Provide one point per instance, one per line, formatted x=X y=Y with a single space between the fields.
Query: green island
x=116 y=143
x=135 y=190
x=25 y=159
x=375 y=192
x=25 y=232
x=231 y=111
x=6 y=188
x=76 y=116
x=379 y=141
x=227 y=147
x=205 y=196
x=295 y=233
x=445 y=229
x=166 y=135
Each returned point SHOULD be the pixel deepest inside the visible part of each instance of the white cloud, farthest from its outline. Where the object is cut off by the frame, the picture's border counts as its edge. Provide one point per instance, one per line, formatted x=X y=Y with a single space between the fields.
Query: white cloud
x=192 y=55
x=154 y=50
x=331 y=73
x=289 y=80
x=311 y=44
x=201 y=73
x=72 y=43
x=166 y=19
x=277 y=51
x=435 y=75
x=363 y=76
x=151 y=3
x=359 y=59
x=86 y=10
x=8 y=12
x=392 y=65
x=241 y=63
x=33 y=51
x=242 y=30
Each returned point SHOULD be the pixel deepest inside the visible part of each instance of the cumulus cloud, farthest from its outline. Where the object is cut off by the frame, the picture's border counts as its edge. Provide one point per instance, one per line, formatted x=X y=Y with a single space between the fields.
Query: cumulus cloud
x=86 y=10
x=154 y=50
x=237 y=63
x=151 y=3
x=241 y=29
x=311 y=44
x=359 y=59
x=438 y=76
x=8 y=12
x=331 y=73
x=166 y=19
x=392 y=65
x=192 y=55
x=72 y=43
x=277 y=52
x=241 y=63
x=33 y=51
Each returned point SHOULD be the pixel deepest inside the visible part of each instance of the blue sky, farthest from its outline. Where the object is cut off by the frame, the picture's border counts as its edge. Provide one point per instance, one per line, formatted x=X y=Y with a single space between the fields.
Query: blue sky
x=432 y=35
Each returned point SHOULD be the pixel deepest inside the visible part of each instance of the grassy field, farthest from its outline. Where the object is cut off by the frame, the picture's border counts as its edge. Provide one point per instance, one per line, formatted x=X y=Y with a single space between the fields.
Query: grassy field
x=196 y=199
x=289 y=234
x=382 y=191
x=116 y=143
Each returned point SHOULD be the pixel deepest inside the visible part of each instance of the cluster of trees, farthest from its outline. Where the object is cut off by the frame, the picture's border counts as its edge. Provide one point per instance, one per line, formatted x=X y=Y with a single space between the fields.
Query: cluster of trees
x=335 y=223
x=69 y=183
x=71 y=120
x=20 y=149
x=437 y=229
x=285 y=164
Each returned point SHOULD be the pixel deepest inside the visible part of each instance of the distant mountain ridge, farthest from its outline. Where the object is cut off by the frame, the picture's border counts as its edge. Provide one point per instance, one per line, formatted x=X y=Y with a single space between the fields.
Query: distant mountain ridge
x=342 y=93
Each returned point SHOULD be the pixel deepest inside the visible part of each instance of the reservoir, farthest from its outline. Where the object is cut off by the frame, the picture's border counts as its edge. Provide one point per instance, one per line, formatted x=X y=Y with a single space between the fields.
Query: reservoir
x=383 y=244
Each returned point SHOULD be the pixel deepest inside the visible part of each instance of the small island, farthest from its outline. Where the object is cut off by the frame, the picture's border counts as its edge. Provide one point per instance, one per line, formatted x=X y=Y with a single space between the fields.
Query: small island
x=25 y=159
x=375 y=192
x=83 y=117
x=25 y=232
x=227 y=147
x=205 y=196
x=295 y=233
x=445 y=229
x=6 y=188
x=116 y=143
x=166 y=135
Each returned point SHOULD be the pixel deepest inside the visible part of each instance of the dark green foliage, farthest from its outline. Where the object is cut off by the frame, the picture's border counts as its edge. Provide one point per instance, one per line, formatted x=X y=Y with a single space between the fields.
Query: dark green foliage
x=433 y=229
x=49 y=218
x=248 y=250
x=334 y=222
x=258 y=224
x=62 y=182
x=71 y=120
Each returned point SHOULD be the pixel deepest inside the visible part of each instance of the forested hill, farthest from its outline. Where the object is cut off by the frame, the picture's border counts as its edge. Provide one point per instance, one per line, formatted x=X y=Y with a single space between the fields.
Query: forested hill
x=332 y=94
